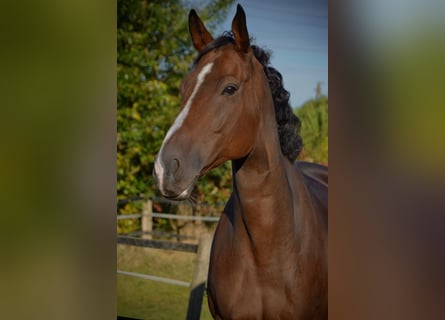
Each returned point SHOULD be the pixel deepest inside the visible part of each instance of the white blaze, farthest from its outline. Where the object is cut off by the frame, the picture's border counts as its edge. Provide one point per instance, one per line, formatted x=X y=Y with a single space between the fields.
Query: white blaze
x=180 y=120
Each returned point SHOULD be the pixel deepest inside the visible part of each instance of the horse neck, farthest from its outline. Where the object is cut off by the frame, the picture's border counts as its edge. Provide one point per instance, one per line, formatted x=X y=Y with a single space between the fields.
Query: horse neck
x=263 y=189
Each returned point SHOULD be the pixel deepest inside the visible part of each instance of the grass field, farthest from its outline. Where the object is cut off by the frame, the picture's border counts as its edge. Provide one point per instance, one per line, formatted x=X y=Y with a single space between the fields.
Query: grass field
x=146 y=299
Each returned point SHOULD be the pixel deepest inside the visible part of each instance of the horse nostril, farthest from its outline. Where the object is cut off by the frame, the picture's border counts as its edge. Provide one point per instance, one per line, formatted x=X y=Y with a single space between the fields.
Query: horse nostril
x=175 y=167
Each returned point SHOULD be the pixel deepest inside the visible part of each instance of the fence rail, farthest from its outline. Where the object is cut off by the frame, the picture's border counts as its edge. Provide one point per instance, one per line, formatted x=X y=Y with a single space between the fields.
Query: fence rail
x=158 y=244
x=154 y=278
x=167 y=216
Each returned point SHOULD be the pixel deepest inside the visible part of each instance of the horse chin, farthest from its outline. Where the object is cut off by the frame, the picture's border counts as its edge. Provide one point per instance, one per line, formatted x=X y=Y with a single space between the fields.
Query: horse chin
x=184 y=195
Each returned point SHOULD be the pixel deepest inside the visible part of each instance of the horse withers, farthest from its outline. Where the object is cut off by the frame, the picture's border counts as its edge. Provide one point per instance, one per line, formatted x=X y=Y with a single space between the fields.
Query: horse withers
x=269 y=253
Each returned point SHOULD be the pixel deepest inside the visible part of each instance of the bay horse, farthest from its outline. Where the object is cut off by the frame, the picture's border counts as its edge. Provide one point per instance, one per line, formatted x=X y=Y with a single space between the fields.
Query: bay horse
x=269 y=252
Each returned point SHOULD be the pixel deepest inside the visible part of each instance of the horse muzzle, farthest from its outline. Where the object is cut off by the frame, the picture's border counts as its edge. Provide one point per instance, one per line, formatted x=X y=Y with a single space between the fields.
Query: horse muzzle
x=172 y=180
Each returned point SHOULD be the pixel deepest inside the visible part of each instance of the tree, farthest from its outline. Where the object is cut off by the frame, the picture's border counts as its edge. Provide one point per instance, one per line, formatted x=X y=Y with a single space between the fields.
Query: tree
x=314 y=128
x=318 y=91
x=154 y=53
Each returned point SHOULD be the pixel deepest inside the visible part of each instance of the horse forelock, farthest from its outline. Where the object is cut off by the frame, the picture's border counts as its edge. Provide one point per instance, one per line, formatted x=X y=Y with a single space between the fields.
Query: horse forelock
x=216 y=43
x=288 y=124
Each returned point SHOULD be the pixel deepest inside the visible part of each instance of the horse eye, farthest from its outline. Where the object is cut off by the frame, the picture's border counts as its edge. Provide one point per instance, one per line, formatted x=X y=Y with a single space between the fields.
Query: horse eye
x=229 y=90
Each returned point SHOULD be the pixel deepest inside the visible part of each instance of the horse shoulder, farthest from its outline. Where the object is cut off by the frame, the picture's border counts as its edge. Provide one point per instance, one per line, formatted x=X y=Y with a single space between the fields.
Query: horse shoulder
x=314 y=171
x=316 y=180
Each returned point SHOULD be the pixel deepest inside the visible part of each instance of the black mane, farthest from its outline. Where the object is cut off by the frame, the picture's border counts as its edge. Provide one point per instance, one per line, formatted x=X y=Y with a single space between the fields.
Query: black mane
x=288 y=123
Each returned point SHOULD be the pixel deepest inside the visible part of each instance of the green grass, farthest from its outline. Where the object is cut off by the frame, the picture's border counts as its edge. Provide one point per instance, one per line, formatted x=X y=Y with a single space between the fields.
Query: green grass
x=146 y=299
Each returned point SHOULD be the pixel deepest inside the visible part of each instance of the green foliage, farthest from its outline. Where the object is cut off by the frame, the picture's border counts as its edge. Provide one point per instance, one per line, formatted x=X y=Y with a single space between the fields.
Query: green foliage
x=314 y=129
x=154 y=53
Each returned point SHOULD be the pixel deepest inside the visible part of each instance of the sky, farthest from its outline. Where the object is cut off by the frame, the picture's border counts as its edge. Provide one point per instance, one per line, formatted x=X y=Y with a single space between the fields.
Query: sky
x=297 y=33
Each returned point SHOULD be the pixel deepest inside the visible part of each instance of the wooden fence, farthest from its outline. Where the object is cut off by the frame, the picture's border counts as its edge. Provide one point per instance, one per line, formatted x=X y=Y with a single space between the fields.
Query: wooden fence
x=202 y=249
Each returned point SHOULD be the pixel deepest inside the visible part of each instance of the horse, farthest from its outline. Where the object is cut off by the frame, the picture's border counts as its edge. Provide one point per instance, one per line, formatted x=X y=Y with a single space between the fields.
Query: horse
x=269 y=251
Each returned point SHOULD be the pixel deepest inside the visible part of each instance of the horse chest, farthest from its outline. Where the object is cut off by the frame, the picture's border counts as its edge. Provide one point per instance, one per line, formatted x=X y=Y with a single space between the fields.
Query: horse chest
x=275 y=286
x=240 y=288
x=243 y=293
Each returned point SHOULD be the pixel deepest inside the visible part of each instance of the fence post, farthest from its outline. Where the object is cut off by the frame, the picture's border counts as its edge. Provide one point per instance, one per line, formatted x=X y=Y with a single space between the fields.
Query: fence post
x=147 y=219
x=198 y=285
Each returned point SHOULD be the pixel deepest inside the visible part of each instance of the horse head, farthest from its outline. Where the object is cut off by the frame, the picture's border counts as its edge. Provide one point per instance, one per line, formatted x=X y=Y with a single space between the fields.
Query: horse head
x=219 y=117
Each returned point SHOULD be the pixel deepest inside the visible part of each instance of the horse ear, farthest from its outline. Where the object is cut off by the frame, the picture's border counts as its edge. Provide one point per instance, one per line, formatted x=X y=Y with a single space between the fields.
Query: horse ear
x=239 y=29
x=200 y=36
